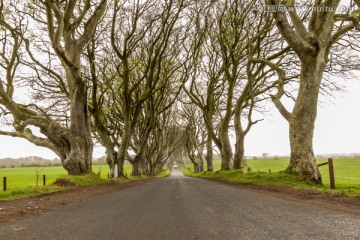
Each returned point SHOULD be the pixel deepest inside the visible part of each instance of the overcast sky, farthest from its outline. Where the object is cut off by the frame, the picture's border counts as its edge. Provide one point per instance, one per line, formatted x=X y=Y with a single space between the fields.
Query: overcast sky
x=337 y=131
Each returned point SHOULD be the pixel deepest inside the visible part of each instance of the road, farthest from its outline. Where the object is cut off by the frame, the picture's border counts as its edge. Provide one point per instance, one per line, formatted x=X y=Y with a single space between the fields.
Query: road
x=178 y=207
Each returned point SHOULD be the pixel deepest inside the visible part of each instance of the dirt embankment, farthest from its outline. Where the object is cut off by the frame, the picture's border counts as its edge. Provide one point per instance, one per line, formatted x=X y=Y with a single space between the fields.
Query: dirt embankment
x=336 y=202
x=13 y=210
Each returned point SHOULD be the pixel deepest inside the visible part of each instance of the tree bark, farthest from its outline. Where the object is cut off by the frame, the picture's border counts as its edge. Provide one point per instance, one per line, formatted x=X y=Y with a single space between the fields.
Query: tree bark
x=302 y=121
x=201 y=164
x=239 y=151
x=240 y=136
x=226 y=150
x=79 y=159
x=209 y=154
x=125 y=138
x=196 y=167
x=200 y=155
x=135 y=167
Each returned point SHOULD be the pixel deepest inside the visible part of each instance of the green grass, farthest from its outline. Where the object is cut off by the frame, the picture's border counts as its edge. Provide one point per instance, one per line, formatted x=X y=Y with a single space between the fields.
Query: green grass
x=347 y=175
x=21 y=181
x=26 y=176
x=23 y=191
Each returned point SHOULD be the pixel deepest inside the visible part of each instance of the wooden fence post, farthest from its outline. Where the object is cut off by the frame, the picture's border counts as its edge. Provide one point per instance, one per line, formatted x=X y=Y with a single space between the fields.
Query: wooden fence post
x=44 y=180
x=331 y=173
x=4 y=184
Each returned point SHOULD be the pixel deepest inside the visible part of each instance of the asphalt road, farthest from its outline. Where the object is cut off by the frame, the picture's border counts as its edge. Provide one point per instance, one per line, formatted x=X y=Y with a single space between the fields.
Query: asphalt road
x=178 y=207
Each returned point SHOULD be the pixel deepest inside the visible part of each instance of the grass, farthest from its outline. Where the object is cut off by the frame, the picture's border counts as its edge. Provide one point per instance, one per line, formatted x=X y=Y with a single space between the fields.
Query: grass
x=347 y=175
x=26 y=176
x=21 y=181
x=18 y=192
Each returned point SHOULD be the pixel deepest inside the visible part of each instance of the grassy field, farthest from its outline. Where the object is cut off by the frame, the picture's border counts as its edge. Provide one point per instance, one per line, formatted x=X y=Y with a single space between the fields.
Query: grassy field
x=347 y=174
x=26 y=176
x=21 y=181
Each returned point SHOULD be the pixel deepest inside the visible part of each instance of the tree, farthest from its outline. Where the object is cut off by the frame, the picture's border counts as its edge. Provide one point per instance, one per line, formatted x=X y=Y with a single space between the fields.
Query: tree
x=162 y=99
x=231 y=35
x=103 y=103
x=165 y=140
x=312 y=39
x=195 y=136
x=69 y=25
x=140 y=45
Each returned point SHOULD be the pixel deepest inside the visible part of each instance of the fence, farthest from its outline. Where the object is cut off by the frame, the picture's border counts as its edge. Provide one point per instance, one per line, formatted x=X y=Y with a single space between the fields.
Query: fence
x=37 y=177
x=331 y=172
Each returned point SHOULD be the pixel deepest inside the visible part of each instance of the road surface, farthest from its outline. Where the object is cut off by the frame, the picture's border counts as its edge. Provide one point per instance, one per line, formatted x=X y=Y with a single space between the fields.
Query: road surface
x=178 y=207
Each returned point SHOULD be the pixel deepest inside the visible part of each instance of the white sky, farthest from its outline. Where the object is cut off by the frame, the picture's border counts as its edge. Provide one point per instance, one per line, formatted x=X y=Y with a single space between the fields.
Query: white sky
x=337 y=131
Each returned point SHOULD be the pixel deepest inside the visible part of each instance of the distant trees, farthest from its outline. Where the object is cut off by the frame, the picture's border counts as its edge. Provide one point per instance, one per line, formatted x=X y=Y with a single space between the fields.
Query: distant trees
x=195 y=136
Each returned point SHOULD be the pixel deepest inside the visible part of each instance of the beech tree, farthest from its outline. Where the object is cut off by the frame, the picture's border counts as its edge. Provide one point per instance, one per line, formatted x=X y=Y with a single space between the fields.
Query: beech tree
x=165 y=140
x=232 y=33
x=195 y=136
x=160 y=101
x=312 y=39
x=152 y=29
x=69 y=26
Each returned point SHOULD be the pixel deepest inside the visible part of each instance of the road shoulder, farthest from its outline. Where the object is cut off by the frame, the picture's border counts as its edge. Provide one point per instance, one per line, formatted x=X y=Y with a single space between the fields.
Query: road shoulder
x=331 y=201
x=17 y=209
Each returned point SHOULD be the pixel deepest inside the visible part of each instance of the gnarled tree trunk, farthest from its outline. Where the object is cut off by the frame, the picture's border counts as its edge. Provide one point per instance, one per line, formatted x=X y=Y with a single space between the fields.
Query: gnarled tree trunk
x=79 y=159
x=226 y=150
x=302 y=121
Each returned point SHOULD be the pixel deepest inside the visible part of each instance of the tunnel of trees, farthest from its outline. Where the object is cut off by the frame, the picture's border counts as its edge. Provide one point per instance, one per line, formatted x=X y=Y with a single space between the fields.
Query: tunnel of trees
x=161 y=81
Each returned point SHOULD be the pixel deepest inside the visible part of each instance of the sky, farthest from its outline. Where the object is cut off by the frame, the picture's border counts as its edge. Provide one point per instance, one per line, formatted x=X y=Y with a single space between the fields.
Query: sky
x=337 y=130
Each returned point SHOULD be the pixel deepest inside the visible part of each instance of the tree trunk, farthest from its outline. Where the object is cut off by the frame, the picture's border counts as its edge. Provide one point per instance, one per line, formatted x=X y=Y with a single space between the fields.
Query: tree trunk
x=209 y=154
x=111 y=156
x=79 y=159
x=196 y=167
x=143 y=166
x=135 y=167
x=105 y=140
x=201 y=164
x=200 y=156
x=226 y=150
x=125 y=138
x=239 y=151
x=153 y=169
x=302 y=122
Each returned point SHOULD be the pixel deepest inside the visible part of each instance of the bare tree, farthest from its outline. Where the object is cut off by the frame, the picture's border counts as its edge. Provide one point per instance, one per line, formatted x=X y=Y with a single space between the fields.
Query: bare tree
x=231 y=34
x=69 y=25
x=147 y=31
x=312 y=39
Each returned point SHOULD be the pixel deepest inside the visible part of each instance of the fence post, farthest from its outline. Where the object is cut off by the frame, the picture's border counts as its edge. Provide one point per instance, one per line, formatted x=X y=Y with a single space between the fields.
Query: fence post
x=331 y=173
x=44 y=180
x=4 y=184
